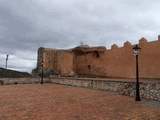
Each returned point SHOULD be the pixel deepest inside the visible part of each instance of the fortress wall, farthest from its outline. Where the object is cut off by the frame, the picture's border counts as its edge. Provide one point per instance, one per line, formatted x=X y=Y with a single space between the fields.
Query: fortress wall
x=39 y=58
x=119 y=62
x=60 y=61
x=150 y=59
x=90 y=64
x=65 y=63
x=50 y=59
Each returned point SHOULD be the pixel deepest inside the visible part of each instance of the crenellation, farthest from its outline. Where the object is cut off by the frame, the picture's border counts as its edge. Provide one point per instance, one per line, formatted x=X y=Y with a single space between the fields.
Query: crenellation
x=114 y=46
x=127 y=44
x=143 y=41
x=118 y=62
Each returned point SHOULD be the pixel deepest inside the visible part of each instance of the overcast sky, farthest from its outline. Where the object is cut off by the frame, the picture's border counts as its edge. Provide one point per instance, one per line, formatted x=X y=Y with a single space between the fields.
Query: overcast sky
x=26 y=25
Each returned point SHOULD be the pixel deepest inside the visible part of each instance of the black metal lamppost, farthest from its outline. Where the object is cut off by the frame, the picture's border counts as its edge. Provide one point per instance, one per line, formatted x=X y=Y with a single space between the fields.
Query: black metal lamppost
x=42 y=71
x=136 y=50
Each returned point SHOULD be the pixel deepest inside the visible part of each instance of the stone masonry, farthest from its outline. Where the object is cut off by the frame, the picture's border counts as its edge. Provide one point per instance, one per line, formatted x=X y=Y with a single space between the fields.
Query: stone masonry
x=148 y=89
x=117 y=62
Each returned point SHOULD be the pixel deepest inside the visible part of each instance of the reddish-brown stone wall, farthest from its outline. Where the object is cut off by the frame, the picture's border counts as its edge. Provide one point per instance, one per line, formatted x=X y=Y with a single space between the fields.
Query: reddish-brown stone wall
x=65 y=63
x=118 y=62
x=150 y=59
x=60 y=61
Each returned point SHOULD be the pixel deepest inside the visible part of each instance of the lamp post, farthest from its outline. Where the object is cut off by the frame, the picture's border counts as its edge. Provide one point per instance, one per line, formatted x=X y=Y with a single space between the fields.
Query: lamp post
x=136 y=50
x=42 y=70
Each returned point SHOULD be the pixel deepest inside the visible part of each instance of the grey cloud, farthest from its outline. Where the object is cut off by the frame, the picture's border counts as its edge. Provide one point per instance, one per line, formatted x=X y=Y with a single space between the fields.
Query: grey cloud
x=26 y=25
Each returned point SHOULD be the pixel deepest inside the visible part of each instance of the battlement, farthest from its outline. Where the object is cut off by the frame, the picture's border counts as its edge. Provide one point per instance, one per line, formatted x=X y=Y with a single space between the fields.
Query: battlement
x=99 y=61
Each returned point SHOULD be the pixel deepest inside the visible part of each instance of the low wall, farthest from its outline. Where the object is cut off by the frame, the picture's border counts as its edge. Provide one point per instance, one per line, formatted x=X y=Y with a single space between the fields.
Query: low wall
x=10 y=81
x=148 y=90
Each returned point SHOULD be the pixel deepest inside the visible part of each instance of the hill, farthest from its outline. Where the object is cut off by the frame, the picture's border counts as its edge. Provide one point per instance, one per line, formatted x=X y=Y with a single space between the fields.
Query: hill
x=7 y=73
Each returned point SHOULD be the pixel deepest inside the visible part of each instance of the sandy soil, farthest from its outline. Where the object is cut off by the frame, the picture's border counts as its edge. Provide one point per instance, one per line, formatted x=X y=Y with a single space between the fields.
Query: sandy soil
x=58 y=102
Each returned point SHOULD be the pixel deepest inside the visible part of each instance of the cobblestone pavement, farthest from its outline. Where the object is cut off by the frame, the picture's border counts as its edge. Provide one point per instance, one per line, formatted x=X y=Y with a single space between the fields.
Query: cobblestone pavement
x=58 y=102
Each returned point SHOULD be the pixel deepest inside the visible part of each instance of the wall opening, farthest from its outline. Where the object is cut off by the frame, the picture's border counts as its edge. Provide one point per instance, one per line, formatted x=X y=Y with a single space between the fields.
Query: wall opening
x=89 y=67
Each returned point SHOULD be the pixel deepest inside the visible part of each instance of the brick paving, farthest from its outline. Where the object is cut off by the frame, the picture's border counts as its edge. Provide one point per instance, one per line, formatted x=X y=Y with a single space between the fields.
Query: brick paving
x=58 y=102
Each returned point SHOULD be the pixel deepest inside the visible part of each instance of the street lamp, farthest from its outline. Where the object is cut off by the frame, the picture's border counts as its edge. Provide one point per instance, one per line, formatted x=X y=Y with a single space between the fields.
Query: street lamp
x=136 y=50
x=42 y=62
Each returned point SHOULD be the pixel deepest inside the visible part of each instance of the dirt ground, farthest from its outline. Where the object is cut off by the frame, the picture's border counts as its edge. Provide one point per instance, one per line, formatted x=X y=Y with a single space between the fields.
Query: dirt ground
x=58 y=102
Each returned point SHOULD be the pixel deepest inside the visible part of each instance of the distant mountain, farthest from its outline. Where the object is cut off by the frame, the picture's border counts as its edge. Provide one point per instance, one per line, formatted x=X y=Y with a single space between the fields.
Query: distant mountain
x=7 y=73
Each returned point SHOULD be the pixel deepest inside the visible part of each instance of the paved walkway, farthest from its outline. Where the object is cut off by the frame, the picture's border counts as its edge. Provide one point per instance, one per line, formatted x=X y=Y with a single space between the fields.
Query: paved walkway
x=58 y=102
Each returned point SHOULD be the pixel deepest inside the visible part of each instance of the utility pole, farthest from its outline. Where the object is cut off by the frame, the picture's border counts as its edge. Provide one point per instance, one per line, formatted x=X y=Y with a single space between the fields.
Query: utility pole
x=7 y=56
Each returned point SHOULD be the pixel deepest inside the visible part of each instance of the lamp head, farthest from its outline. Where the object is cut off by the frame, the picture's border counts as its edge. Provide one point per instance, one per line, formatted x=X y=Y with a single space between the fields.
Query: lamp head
x=136 y=49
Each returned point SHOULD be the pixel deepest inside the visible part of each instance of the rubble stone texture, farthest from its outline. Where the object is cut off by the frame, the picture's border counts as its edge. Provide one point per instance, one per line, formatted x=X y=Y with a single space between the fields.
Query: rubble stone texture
x=117 y=62
x=148 y=89
x=58 y=102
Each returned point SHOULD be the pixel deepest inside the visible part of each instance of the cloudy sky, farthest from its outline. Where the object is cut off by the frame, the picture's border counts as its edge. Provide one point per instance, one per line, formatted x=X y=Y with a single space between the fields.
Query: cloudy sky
x=26 y=25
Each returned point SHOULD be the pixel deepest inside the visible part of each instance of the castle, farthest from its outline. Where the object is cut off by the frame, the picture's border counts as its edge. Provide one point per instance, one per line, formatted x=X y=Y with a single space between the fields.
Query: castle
x=117 y=62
